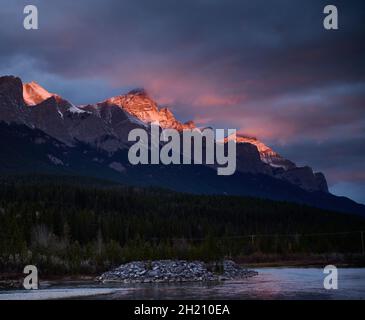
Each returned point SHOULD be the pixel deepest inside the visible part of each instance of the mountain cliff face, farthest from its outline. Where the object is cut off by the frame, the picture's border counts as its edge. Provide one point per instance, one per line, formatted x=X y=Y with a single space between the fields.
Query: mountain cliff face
x=140 y=105
x=105 y=126
x=33 y=93
x=267 y=155
x=254 y=156
x=12 y=106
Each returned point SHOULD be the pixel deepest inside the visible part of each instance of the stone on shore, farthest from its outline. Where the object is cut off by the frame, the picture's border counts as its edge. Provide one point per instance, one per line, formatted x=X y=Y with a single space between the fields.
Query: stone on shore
x=174 y=271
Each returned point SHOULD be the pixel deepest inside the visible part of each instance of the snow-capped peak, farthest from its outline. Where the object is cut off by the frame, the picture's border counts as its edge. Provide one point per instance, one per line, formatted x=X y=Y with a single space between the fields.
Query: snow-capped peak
x=34 y=94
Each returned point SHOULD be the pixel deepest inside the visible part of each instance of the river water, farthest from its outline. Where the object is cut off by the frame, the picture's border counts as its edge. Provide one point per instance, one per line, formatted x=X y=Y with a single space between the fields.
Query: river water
x=271 y=283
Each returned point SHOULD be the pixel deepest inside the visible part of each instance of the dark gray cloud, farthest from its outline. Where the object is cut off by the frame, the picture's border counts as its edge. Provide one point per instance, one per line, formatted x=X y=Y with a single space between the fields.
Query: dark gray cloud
x=266 y=67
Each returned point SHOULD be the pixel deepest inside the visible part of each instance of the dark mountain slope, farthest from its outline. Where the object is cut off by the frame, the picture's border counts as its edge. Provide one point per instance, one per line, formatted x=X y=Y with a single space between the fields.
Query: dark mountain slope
x=30 y=151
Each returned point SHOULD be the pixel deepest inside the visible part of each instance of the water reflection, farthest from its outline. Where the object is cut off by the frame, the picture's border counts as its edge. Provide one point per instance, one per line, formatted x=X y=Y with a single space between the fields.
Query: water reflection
x=275 y=283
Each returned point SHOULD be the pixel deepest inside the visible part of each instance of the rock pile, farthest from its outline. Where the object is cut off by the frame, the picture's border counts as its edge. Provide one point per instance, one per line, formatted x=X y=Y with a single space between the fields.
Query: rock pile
x=232 y=270
x=172 y=271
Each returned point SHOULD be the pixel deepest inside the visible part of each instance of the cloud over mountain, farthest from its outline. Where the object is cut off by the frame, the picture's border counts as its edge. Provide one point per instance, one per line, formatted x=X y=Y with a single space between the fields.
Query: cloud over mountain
x=270 y=70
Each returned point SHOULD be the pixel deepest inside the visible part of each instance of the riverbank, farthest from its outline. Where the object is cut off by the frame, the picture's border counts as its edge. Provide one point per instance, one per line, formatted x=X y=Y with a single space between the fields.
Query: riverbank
x=303 y=260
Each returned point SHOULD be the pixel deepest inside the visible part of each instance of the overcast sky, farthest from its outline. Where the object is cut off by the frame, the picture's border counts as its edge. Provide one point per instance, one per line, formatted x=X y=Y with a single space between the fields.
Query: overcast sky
x=267 y=68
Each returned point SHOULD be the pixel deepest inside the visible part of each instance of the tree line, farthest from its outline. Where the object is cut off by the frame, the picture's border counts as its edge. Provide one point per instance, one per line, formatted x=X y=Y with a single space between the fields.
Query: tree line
x=66 y=228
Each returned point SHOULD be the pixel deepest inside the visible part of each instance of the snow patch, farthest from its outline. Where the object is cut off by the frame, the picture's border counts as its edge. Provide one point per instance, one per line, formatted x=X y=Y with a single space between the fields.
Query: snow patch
x=117 y=166
x=55 y=160
x=135 y=120
x=75 y=109
x=60 y=113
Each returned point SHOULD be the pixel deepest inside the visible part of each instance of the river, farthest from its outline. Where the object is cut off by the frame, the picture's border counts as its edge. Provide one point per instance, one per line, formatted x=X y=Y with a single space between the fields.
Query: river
x=271 y=283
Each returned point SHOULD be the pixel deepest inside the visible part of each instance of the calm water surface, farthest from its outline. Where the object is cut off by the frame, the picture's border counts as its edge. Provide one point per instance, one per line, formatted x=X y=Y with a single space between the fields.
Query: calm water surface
x=271 y=283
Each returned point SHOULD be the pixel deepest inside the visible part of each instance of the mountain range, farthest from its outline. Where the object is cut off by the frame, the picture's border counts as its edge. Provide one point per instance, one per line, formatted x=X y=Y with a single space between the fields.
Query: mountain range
x=43 y=133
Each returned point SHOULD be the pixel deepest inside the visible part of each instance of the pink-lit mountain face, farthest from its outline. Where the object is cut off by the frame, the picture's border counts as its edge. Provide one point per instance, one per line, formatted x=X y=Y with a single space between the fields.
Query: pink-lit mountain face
x=106 y=125
x=34 y=94
x=140 y=105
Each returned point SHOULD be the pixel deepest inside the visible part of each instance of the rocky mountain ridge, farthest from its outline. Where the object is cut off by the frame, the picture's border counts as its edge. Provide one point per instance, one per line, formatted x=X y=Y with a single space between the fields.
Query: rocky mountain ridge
x=106 y=125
